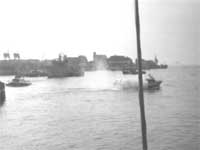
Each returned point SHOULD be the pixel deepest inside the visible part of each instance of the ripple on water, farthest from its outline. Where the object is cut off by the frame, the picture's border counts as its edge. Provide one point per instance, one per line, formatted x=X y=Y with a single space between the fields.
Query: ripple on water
x=90 y=113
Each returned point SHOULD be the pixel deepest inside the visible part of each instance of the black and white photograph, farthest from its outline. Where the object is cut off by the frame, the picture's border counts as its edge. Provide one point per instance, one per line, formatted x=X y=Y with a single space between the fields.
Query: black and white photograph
x=99 y=74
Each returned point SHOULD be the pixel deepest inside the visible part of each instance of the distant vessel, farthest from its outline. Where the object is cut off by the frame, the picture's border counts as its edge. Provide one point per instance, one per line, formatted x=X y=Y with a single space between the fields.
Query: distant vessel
x=162 y=66
x=61 y=68
x=35 y=73
x=18 y=81
x=132 y=71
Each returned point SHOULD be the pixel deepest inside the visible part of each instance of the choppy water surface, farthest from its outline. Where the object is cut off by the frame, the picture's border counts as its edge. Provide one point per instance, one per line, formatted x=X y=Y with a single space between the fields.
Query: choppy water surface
x=100 y=112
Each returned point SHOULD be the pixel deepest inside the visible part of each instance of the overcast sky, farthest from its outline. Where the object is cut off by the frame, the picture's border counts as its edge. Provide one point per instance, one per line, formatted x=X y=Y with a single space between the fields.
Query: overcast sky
x=41 y=29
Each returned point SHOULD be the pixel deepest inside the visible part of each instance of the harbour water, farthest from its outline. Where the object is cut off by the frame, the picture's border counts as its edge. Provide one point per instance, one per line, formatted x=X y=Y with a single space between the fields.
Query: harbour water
x=100 y=111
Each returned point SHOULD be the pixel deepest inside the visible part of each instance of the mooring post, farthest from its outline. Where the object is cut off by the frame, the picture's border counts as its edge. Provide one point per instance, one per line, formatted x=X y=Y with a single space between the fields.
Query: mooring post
x=140 y=78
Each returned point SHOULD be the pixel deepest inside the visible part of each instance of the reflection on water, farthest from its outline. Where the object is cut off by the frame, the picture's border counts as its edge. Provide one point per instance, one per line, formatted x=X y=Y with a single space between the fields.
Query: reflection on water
x=100 y=111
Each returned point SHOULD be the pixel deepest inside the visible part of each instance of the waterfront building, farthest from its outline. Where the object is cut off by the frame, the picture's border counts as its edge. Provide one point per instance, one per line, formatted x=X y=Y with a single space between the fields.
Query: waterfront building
x=151 y=64
x=65 y=67
x=100 y=61
x=119 y=62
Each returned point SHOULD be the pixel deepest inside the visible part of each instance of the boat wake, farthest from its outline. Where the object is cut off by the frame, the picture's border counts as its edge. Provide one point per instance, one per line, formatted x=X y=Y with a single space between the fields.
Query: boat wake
x=126 y=84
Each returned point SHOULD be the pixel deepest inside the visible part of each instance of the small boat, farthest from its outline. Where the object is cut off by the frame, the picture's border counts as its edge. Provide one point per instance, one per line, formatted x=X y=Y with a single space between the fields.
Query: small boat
x=153 y=84
x=18 y=81
x=35 y=73
x=128 y=72
x=143 y=72
x=132 y=71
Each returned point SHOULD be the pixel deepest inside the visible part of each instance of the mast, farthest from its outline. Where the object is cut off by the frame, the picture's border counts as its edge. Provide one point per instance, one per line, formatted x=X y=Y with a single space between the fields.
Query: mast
x=141 y=95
